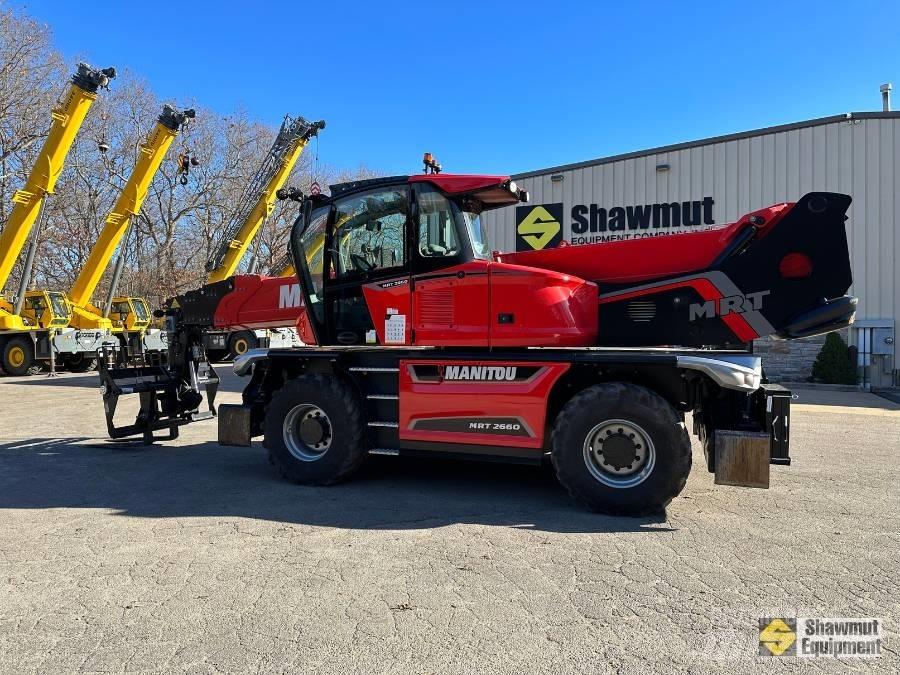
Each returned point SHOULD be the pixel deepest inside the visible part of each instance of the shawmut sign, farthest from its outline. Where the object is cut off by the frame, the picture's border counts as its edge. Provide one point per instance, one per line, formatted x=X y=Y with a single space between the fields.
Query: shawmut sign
x=540 y=226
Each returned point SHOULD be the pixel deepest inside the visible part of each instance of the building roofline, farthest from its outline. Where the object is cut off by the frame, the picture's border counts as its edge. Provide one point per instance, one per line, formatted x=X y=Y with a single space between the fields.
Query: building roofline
x=819 y=121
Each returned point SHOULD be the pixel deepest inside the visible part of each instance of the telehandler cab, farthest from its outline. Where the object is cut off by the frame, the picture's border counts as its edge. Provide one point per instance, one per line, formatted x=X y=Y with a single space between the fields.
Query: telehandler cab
x=422 y=340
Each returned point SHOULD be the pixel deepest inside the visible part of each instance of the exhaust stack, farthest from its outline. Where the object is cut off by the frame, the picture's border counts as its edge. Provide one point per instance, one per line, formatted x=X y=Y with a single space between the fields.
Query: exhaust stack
x=886 y=96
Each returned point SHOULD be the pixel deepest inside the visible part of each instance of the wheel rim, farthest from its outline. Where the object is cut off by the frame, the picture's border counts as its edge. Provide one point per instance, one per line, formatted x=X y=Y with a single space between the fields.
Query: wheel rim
x=16 y=357
x=619 y=453
x=307 y=432
x=241 y=346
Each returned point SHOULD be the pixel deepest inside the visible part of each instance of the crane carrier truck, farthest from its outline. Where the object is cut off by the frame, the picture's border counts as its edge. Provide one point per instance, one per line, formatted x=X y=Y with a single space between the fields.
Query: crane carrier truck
x=35 y=326
x=128 y=318
x=422 y=340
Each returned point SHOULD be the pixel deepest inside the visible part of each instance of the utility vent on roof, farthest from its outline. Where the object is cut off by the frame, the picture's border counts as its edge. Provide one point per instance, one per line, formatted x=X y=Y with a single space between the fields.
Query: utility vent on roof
x=641 y=310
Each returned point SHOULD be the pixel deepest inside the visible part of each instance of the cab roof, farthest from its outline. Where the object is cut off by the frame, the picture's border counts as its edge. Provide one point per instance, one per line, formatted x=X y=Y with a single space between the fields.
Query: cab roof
x=492 y=191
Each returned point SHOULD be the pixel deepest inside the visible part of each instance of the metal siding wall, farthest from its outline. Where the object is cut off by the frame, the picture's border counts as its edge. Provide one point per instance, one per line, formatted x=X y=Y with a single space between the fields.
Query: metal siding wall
x=860 y=157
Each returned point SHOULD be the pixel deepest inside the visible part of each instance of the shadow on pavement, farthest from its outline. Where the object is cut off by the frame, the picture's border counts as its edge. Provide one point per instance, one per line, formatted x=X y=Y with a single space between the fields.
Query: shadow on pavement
x=892 y=395
x=89 y=380
x=843 y=399
x=212 y=480
x=229 y=381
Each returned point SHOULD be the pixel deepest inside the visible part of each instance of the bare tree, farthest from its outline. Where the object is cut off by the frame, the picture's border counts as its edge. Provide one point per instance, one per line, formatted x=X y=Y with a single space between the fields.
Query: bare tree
x=180 y=226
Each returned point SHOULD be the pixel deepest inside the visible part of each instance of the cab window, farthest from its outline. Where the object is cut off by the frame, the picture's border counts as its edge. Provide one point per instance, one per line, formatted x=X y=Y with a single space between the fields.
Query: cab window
x=437 y=233
x=370 y=231
x=312 y=249
x=120 y=310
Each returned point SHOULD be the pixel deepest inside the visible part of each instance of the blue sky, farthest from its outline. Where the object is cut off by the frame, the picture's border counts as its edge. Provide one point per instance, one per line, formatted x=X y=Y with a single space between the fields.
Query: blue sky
x=497 y=87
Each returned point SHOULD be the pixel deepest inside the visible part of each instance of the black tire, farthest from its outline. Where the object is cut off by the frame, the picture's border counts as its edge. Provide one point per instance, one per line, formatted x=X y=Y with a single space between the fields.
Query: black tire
x=81 y=362
x=296 y=404
x=648 y=457
x=18 y=357
x=242 y=342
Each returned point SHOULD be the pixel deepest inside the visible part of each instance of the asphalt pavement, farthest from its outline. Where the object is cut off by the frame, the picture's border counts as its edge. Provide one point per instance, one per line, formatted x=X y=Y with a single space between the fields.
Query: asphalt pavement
x=189 y=556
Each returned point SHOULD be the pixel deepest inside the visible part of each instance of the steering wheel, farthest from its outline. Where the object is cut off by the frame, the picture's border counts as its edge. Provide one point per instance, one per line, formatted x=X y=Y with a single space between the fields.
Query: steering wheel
x=361 y=263
x=434 y=250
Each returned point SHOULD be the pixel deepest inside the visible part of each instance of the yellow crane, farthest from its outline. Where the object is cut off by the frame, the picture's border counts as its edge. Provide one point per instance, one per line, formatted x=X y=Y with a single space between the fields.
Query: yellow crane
x=37 y=314
x=131 y=316
x=258 y=199
x=283 y=267
x=257 y=202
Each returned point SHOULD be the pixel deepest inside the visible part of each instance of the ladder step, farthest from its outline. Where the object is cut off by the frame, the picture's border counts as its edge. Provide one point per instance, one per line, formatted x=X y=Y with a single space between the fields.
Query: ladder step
x=389 y=425
x=358 y=369
x=383 y=397
x=393 y=452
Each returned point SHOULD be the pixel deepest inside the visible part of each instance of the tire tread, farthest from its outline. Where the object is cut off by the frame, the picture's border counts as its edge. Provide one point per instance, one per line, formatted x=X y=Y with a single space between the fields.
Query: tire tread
x=605 y=396
x=352 y=420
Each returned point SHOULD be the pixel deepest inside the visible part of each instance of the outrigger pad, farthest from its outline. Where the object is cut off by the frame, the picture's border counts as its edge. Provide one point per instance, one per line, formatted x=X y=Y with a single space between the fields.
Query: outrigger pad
x=166 y=400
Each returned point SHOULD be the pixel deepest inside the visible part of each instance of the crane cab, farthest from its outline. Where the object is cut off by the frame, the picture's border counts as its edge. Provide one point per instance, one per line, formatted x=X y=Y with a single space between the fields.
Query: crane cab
x=406 y=261
x=46 y=309
x=129 y=314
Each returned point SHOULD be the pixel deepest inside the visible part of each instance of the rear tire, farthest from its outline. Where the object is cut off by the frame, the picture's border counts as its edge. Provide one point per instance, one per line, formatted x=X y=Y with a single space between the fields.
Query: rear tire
x=18 y=357
x=80 y=363
x=314 y=430
x=621 y=449
x=242 y=342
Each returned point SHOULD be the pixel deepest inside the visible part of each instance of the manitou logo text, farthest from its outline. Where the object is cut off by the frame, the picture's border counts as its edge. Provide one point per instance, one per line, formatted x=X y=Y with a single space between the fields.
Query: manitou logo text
x=289 y=296
x=730 y=304
x=480 y=373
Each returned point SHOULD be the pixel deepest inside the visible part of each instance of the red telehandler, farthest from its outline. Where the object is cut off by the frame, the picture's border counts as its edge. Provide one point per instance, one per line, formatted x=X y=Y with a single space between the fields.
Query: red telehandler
x=421 y=340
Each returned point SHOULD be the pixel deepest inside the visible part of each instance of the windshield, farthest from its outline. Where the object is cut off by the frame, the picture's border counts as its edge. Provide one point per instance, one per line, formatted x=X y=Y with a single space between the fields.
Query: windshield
x=59 y=305
x=481 y=246
x=308 y=251
x=141 y=309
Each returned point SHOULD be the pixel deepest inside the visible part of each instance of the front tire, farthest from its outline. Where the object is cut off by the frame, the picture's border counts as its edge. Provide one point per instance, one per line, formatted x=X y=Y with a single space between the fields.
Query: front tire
x=314 y=430
x=18 y=357
x=621 y=449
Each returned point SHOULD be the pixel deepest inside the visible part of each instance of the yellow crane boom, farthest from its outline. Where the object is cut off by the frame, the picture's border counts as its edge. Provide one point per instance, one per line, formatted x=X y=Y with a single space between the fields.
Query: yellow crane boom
x=67 y=118
x=259 y=197
x=149 y=159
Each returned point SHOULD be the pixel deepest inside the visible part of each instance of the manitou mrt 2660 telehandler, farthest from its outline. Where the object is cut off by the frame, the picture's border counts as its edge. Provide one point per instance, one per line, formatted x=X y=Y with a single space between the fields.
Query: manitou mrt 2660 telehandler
x=422 y=340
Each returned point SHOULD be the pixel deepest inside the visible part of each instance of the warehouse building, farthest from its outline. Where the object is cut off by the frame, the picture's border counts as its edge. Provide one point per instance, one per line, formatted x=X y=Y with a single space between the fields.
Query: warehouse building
x=712 y=182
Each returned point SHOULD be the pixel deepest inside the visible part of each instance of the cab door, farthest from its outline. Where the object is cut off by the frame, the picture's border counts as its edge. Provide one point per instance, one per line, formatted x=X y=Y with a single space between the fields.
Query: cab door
x=450 y=290
x=367 y=286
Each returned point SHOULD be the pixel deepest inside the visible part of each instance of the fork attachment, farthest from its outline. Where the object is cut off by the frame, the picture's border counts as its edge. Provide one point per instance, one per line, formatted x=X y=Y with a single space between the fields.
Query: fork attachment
x=170 y=395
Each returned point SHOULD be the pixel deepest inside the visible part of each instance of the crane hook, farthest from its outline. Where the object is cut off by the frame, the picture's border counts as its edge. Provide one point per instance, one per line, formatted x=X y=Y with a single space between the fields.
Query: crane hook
x=186 y=161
